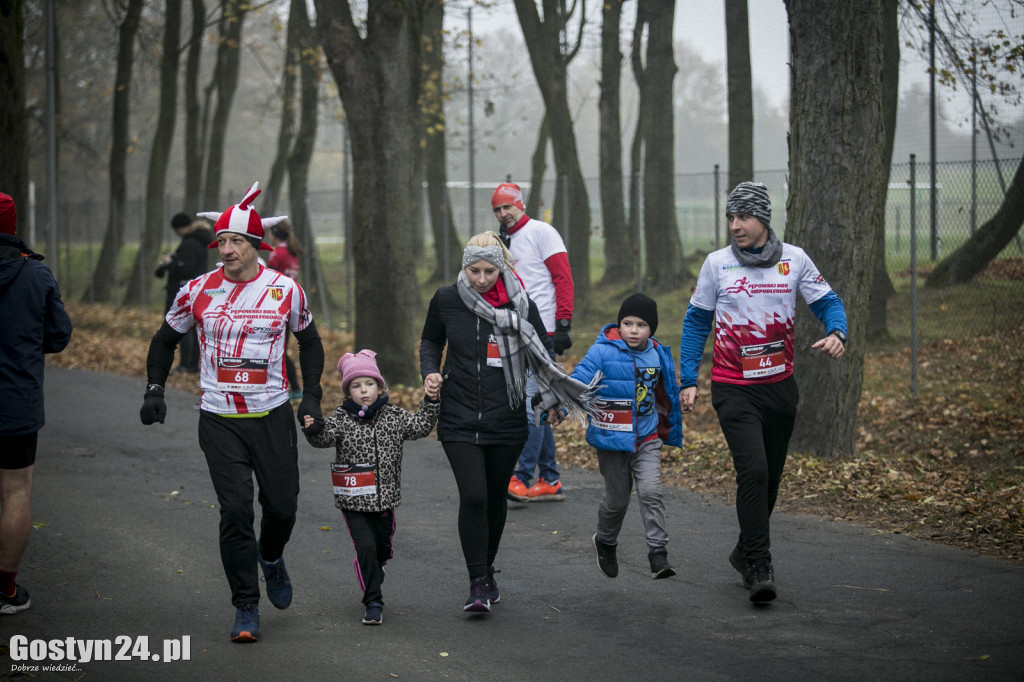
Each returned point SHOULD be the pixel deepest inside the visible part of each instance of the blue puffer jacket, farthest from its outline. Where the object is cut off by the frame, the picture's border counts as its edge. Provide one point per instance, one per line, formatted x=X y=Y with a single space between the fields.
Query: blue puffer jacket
x=612 y=357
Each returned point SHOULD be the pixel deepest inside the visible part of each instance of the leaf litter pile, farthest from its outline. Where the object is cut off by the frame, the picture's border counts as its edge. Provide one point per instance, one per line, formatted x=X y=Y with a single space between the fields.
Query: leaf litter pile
x=946 y=466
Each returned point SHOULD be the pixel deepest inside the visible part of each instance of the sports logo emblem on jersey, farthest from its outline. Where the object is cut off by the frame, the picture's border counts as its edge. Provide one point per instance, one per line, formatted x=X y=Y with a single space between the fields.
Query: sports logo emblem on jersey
x=783 y=268
x=276 y=293
x=739 y=287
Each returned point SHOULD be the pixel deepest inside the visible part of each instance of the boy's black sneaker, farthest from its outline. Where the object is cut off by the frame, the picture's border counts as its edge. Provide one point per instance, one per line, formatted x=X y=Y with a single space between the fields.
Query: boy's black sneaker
x=660 y=568
x=762 y=579
x=741 y=565
x=606 y=560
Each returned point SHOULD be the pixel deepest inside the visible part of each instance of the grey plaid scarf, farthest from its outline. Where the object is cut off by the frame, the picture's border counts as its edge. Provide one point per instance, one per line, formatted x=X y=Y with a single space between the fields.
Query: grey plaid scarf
x=520 y=347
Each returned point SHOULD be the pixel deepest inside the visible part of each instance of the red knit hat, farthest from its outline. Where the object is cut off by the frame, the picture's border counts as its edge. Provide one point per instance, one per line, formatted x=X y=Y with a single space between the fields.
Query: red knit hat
x=362 y=364
x=243 y=219
x=508 y=193
x=8 y=215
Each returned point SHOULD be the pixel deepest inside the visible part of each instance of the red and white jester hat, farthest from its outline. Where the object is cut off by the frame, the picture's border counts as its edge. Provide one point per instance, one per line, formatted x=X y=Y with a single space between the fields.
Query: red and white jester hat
x=243 y=219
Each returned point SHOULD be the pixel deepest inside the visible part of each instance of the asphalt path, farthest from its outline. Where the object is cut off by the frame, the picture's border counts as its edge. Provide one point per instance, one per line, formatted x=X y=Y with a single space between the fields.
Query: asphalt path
x=125 y=546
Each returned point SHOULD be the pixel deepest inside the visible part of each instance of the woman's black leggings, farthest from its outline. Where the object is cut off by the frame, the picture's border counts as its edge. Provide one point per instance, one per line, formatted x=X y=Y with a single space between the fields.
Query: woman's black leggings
x=482 y=473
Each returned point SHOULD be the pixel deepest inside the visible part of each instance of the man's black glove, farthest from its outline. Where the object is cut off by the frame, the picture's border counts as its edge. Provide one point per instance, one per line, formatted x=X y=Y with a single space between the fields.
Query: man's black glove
x=311 y=406
x=154 y=409
x=562 y=338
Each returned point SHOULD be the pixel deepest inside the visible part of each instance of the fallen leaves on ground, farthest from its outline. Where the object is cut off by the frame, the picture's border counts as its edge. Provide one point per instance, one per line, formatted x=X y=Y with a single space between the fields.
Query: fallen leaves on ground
x=947 y=465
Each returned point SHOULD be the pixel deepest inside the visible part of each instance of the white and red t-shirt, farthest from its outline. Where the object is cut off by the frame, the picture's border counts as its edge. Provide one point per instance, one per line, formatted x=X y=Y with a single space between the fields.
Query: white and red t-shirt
x=754 y=311
x=241 y=328
x=533 y=243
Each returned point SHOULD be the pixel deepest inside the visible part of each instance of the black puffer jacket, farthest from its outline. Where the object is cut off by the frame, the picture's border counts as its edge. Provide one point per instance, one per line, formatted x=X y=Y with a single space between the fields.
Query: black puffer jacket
x=188 y=261
x=34 y=323
x=474 y=401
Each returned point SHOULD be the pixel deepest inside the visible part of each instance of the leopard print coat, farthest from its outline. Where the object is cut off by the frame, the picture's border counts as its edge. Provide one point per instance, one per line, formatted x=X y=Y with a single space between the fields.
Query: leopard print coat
x=377 y=442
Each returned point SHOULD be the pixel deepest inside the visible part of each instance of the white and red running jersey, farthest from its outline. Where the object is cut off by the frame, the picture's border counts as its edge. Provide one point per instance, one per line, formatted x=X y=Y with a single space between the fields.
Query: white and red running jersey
x=241 y=329
x=754 y=310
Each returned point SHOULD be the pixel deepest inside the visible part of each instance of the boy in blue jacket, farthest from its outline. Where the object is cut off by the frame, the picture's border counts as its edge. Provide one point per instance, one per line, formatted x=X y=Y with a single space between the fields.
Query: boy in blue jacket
x=640 y=405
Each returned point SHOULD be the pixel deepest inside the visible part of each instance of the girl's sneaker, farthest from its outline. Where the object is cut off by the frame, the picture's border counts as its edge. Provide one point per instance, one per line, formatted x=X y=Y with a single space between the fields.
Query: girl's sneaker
x=374 y=613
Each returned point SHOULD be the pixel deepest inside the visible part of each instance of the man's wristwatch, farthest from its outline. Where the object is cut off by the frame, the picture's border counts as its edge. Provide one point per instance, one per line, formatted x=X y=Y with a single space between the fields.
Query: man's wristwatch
x=839 y=335
x=564 y=324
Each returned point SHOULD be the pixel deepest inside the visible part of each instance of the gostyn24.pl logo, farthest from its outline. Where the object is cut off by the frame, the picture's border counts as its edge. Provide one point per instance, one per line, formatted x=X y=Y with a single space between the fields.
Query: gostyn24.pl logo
x=71 y=651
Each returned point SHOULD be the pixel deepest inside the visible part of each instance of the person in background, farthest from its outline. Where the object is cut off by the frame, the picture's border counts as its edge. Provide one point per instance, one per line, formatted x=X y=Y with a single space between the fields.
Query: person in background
x=748 y=289
x=489 y=332
x=241 y=310
x=188 y=261
x=367 y=434
x=542 y=264
x=640 y=413
x=285 y=259
x=34 y=323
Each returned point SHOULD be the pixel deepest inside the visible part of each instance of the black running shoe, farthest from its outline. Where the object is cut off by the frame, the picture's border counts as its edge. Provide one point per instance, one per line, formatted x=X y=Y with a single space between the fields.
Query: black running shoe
x=762 y=579
x=741 y=565
x=606 y=560
x=660 y=568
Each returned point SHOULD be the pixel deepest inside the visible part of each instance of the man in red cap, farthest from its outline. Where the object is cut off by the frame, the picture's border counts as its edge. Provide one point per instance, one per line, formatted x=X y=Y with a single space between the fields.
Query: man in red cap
x=34 y=323
x=543 y=265
x=241 y=311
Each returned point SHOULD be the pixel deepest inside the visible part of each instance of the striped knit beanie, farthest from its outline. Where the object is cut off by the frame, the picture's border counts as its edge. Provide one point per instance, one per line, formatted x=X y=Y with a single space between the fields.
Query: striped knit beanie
x=750 y=198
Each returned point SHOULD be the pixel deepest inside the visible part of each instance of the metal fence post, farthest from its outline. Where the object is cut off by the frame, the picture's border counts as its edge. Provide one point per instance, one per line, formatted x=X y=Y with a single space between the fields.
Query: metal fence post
x=913 y=276
x=717 y=217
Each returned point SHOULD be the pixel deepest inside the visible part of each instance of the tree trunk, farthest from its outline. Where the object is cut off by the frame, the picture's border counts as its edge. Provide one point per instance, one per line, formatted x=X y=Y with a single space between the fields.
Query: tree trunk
x=538 y=166
x=741 y=99
x=665 y=266
x=156 y=178
x=105 y=276
x=543 y=41
x=985 y=244
x=378 y=79
x=836 y=199
x=447 y=245
x=13 y=120
x=881 y=285
x=193 y=115
x=286 y=126
x=618 y=264
x=225 y=83
x=308 y=63
x=637 y=146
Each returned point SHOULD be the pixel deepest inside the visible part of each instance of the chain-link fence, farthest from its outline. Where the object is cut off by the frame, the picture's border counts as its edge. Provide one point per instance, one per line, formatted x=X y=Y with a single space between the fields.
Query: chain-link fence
x=966 y=196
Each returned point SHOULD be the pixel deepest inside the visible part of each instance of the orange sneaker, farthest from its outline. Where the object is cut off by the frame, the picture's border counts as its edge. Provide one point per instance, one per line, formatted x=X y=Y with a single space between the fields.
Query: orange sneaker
x=543 y=491
x=517 y=490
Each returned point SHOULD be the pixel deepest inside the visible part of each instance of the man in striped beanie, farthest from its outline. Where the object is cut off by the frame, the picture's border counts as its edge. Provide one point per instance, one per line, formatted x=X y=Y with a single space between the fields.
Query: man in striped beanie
x=748 y=290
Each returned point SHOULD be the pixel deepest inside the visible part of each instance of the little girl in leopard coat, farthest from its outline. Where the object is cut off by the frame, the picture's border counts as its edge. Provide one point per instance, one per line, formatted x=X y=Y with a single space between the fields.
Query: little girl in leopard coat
x=367 y=434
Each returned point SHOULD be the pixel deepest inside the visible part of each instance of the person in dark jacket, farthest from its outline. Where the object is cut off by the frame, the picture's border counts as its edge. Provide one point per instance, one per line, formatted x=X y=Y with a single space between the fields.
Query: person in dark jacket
x=34 y=323
x=189 y=260
x=493 y=332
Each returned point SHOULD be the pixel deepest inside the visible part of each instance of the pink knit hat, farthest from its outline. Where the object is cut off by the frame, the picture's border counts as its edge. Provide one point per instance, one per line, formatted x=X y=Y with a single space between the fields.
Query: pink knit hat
x=508 y=193
x=362 y=364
